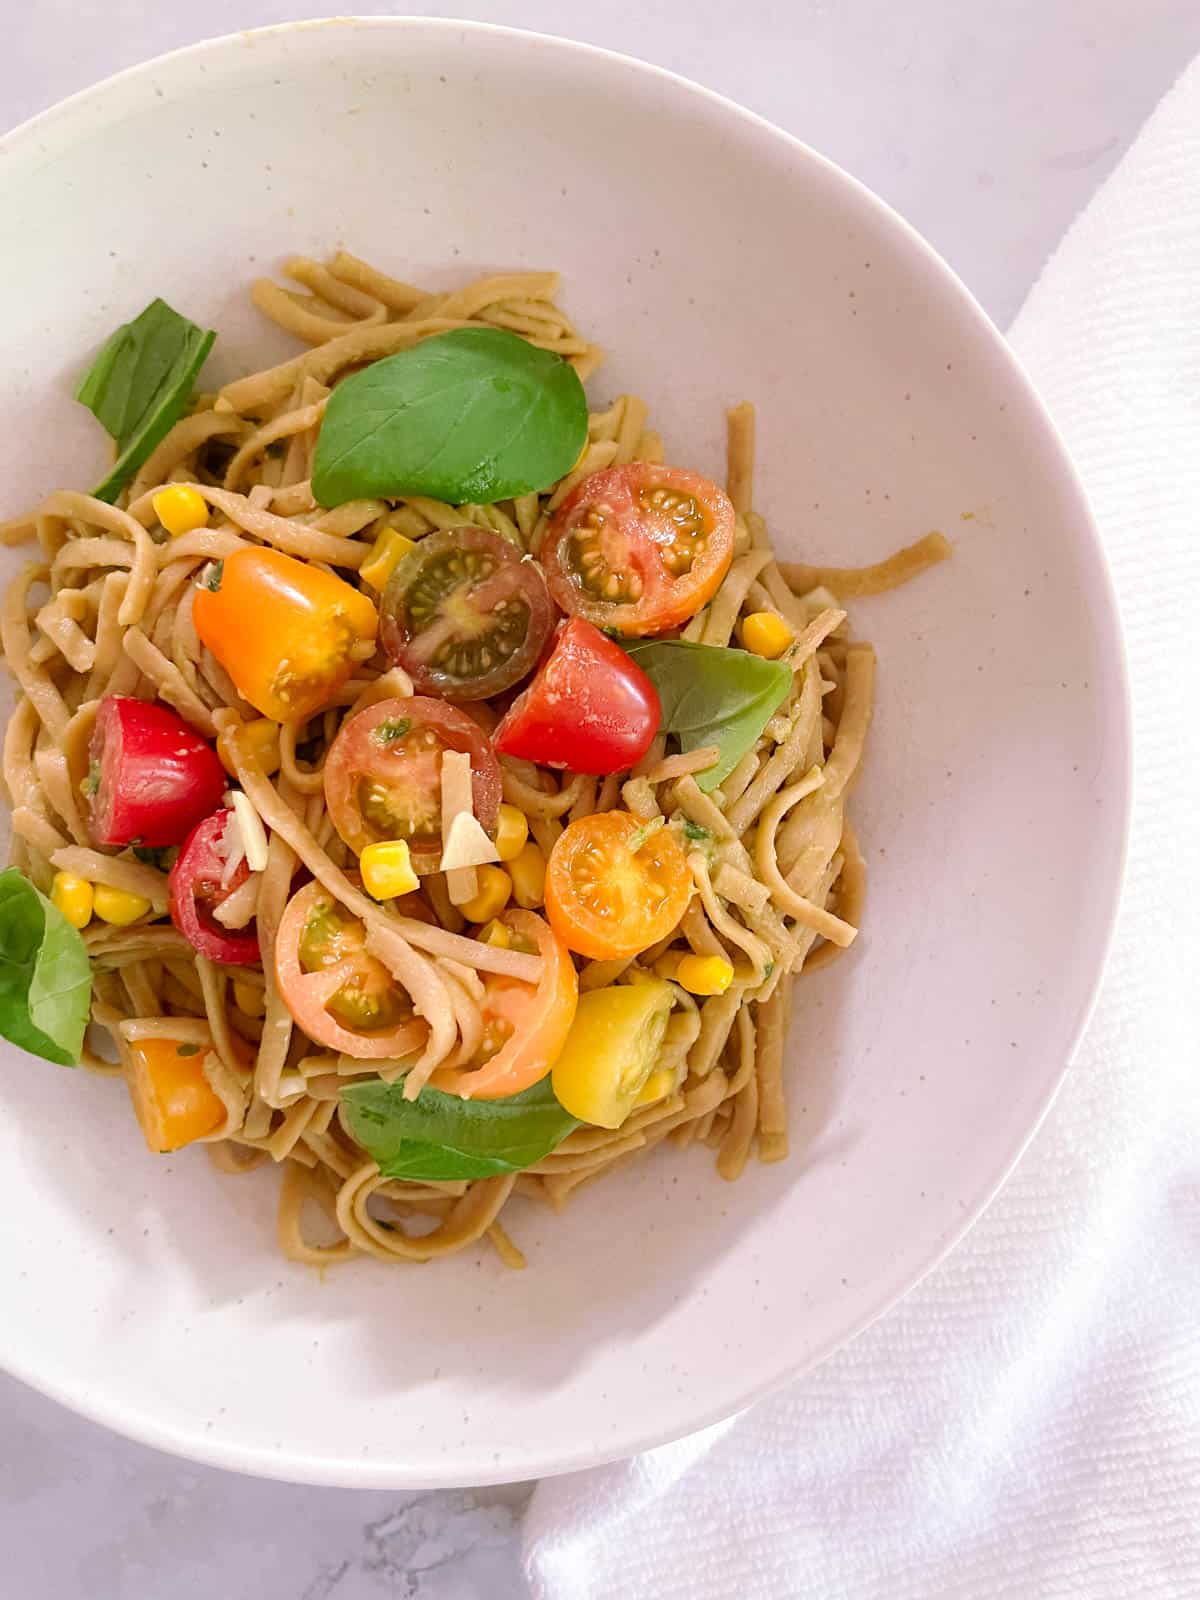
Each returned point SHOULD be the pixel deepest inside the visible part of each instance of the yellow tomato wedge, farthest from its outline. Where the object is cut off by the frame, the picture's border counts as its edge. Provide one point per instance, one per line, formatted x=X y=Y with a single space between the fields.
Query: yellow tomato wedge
x=173 y=1100
x=611 y=1050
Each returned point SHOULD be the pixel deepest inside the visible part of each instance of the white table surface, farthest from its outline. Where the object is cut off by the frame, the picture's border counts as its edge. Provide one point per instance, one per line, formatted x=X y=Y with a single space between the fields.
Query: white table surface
x=988 y=125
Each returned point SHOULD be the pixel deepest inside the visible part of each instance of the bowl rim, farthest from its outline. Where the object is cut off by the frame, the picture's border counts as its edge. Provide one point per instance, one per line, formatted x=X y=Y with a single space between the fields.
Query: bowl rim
x=344 y=1471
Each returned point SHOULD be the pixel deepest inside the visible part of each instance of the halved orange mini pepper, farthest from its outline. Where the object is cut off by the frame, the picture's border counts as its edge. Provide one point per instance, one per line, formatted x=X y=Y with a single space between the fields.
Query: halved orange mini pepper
x=173 y=1100
x=287 y=633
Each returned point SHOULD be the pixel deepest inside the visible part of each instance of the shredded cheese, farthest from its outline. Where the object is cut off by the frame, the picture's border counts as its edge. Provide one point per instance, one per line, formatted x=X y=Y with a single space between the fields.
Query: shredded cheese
x=253 y=834
x=467 y=845
x=462 y=882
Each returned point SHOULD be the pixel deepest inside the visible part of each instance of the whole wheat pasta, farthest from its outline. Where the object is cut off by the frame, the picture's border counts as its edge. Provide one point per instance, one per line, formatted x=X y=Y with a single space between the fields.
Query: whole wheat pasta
x=774 y=868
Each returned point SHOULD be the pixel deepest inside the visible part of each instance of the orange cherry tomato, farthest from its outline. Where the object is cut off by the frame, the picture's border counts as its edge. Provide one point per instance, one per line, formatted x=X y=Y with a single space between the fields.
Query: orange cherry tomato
x=614 y=886
x=639 y=549
x=289 y=634
x=173 y=1100
x=524 y=1027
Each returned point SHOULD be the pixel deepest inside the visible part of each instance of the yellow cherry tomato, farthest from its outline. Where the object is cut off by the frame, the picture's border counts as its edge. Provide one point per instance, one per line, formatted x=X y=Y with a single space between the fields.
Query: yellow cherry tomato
x=611 y=1050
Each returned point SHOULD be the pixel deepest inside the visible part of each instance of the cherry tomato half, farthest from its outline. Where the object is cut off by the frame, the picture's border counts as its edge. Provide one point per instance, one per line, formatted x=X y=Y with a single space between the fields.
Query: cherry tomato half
x=590 y=708
x=151 y=778
x=342 y=997
x=383 y=775
x=199 y=882
x=524 y=1027
x=615 y=885
x=640 y=548
x=288 y=633
x=465 y=614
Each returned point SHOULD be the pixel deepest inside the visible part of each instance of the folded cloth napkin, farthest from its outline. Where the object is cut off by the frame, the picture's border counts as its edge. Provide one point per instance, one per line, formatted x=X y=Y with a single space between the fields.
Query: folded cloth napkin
x=1027 y=1422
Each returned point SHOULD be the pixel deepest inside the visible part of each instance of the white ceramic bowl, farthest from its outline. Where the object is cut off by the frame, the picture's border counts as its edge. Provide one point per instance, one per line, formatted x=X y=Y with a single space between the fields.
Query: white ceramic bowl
x=717 y=259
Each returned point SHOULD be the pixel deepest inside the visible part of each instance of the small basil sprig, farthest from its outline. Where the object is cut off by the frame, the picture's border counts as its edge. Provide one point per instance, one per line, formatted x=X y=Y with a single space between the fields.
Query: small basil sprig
x=472 y=416
x=45 y=976
x=712 y=696
x=438 y=1137
x=139 y=385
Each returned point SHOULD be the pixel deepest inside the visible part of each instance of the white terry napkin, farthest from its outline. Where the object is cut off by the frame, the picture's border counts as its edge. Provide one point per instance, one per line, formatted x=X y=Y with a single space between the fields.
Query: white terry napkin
x=1027 y=1422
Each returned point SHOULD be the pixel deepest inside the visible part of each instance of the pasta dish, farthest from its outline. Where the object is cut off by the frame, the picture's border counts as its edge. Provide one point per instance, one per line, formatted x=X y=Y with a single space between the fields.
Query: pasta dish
x=418 y=783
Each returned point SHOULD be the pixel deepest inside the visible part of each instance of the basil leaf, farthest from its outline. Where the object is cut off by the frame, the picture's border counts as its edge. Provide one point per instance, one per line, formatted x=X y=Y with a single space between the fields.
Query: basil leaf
x=471 y=417
x=438 y=1137
x=45 y=976
x=139 y=385
x=711 y=695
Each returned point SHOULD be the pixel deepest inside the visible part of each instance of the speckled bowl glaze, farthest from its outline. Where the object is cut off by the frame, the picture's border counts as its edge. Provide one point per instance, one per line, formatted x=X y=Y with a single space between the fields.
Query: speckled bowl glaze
x=717 y=259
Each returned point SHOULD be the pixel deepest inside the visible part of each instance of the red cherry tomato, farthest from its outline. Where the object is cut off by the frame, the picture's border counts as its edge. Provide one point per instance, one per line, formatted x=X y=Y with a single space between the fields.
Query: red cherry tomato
x=151 y=777
x=200 y=880
x=465 y=614
x=383 y=775
x=639 y=549
x=590 y=708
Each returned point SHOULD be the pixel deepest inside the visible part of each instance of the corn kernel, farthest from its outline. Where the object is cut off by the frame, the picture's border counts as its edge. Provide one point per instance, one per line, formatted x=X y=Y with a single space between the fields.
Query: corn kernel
x=766 y=634
x=387 y=869
x=704 y=974
x=180 y=509
x=386 y=554
x=528 y=869
x=512 y=830
x=656 y=1087
x=495 y=933
x=490 y=899
x=118 y=906
x=248 y=998
x=261 y=739
x=74 y=897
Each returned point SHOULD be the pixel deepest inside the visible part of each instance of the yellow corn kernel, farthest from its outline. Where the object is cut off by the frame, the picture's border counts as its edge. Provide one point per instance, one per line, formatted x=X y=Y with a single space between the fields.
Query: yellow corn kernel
x=74 y=897
x=118 y=906
x=490 y=899
x=248 y=997
x=657 y=1086
x=387 y=869
x=180 y=509
x=528 y=870
x=766 y=634
x=496 y=933
x=261 y=738
x=704 y=974
x=386 y=554
x=512 y=830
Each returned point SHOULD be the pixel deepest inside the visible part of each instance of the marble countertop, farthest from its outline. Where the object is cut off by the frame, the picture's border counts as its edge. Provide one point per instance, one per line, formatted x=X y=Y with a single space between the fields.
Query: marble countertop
x=988 y=127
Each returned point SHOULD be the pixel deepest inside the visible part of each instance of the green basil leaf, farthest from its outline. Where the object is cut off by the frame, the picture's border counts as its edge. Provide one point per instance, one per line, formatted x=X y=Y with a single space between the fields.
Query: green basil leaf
x=45 y=976
x=471 y=416
x=438 y=1137
x=139 y=385
x=711 y=695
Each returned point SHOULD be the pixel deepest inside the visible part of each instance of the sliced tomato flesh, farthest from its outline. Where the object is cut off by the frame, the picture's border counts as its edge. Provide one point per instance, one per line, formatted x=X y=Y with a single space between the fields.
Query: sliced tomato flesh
x=465 y=614
x=615 y=886
x=639 y=549
x=524 y=1025
x=342 y=997
x=383 y=775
